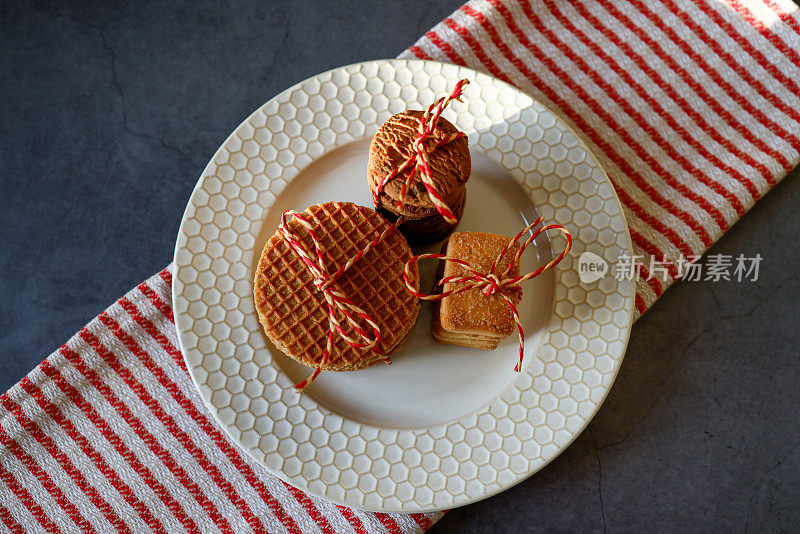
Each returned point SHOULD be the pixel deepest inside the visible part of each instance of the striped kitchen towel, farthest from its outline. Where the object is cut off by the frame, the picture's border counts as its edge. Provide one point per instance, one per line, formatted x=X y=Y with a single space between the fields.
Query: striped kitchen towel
x=691 y=107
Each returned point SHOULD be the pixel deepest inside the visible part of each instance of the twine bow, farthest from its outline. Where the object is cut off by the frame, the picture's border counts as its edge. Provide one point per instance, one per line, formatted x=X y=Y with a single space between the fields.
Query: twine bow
x=418 y=160
x=493 y=283
x=368 y=337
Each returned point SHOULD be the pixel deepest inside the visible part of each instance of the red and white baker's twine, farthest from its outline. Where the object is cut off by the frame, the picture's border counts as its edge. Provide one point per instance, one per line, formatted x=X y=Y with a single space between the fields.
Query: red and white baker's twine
x=325 y=282
x=418 y=160
x=491 y=282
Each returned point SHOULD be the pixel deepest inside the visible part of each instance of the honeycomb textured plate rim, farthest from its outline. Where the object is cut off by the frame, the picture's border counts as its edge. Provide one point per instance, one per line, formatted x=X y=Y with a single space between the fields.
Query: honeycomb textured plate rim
x=342 y=460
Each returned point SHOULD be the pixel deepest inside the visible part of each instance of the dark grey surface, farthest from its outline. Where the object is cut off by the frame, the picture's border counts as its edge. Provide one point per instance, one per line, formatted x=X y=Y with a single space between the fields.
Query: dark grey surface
x=108 y=113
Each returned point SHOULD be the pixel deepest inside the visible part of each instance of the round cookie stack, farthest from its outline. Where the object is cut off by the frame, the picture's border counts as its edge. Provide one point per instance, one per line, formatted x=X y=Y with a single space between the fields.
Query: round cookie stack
x=450 y=166
x=290 y=297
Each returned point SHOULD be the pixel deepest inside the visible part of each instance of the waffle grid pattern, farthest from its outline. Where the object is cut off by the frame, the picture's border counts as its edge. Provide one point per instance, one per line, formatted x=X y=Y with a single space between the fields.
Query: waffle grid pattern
x=294 y=312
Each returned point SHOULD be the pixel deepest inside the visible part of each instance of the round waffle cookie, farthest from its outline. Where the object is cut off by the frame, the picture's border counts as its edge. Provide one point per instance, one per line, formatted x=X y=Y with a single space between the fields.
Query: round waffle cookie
x=294 y=312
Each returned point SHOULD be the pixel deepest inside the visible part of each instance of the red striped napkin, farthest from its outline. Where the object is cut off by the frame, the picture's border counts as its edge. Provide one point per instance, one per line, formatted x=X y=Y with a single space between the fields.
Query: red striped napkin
x=693 y=110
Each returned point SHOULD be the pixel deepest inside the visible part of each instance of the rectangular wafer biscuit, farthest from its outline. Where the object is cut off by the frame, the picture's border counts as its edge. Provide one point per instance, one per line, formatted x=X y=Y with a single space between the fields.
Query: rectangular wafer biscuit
x=471 y=318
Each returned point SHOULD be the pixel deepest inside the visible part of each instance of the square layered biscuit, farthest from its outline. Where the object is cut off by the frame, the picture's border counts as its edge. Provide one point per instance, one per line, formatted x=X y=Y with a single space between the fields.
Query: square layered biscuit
x=471 y=318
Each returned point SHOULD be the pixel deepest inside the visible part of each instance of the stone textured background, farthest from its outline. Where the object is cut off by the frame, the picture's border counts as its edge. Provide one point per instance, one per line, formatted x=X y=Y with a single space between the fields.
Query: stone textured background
x=108 y=114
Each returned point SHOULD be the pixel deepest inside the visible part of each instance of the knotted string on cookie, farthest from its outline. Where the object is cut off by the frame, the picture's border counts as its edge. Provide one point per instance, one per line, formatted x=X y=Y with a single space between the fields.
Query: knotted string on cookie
x=492 y=282
x=326 y=283
x=418 y=160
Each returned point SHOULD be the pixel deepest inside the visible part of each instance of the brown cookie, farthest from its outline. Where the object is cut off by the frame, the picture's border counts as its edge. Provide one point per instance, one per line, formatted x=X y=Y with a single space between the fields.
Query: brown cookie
x=471 y=318
x=450 y=168
x=429 y=229
x=294 y=312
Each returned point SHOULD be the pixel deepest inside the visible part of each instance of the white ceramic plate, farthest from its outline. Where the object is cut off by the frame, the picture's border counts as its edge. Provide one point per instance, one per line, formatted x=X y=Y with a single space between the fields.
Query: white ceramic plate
x=443 y=426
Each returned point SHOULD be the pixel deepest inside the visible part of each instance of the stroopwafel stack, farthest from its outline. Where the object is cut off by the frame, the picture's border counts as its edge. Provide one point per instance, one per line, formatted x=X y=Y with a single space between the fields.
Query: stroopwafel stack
x=293 y=309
